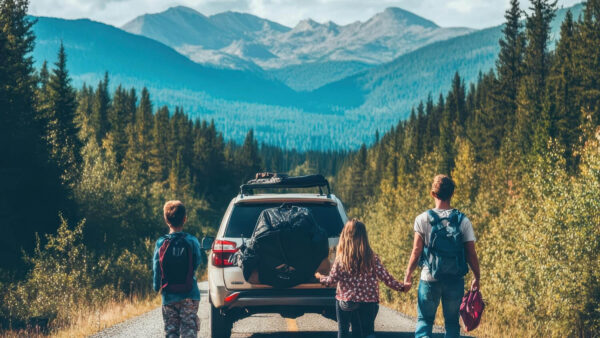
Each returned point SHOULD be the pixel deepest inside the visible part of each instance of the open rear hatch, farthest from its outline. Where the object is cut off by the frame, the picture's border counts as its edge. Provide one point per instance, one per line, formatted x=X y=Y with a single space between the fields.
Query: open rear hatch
x=241 y=226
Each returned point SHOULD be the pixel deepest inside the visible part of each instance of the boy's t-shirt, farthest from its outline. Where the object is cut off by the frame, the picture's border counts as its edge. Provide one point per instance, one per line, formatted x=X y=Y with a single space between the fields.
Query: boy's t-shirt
x=423 y=228
x=197 y=255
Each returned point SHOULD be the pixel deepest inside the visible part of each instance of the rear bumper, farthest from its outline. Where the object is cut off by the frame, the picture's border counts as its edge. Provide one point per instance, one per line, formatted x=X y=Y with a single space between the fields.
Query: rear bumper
x=289 y=303
x=285 y=297
x=315 y=299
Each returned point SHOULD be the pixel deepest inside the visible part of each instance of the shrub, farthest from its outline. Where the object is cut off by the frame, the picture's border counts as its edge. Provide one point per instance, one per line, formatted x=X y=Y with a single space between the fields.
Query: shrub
x=65 y=277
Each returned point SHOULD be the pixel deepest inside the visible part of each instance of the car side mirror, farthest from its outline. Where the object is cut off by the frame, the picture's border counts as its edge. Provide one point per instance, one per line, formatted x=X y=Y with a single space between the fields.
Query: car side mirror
x=207 y=243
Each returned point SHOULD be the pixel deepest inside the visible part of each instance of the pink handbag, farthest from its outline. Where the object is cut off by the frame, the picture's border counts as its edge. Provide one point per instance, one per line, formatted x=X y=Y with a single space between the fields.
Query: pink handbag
x=471 y=309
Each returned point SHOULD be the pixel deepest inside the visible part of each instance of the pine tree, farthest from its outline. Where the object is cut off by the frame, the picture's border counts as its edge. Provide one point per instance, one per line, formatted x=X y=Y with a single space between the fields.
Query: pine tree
x=42 y=95
x=391 y=147
x=562 y=106
x=484 y=126
x=433 y=121
x=61 y=131
x=85 y=102
x=452 y=123
x=179 y=178
x=209 y=160
x=44 y=75
x=446 y=144
x=182 y=138
x=120 y=117
x=509 y=67
x=17 y=81
x=356 y=183
x=381 y=159
x=27 y=173
x=456 y=103
x=411 y=146
x=431 y=129
x=139 y=157
x=131 y=105
x=99 y=117
x=588 y=60
x=421 y=131
x=161 y=132
x=249 y=161
x=532 y=121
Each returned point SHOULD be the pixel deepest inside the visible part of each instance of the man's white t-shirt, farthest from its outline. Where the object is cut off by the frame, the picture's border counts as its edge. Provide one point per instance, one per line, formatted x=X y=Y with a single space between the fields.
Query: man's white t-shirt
x=423 y=228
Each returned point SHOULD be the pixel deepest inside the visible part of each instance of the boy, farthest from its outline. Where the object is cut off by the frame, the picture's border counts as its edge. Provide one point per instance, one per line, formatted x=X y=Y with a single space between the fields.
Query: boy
x=454 y=230
x=177 y=255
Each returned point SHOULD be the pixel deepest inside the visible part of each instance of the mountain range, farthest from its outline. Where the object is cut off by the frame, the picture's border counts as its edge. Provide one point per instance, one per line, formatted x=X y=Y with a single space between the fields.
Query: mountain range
x=238 y=40
x=298 y=90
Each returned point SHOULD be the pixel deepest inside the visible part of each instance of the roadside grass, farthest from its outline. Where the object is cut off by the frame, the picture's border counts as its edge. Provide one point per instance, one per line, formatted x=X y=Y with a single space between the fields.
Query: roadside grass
x=491 y=325
x=87 y=321
x=95 y=320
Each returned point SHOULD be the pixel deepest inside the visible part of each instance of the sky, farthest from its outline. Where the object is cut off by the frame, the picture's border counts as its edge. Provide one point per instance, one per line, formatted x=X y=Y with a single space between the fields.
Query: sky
x=446 y=13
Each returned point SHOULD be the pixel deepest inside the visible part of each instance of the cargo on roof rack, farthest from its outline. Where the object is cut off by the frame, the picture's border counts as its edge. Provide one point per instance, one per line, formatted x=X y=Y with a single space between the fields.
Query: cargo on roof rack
x=282 y=181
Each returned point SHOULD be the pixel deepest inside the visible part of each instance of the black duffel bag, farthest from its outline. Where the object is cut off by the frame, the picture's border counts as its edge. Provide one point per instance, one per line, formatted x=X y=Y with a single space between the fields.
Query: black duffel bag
x=286 y=247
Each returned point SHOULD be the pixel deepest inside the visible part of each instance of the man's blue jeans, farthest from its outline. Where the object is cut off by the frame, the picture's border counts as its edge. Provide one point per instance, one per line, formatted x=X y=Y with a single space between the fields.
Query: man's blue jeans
x=430 y=293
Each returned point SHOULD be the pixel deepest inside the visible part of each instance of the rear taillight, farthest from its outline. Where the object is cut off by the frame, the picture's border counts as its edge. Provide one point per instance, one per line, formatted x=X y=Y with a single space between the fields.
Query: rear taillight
x=222 y=252
x=232 y=297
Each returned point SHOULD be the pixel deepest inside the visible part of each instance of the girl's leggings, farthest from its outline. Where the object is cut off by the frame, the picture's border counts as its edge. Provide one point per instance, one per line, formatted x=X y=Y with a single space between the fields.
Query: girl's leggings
x=362 y=320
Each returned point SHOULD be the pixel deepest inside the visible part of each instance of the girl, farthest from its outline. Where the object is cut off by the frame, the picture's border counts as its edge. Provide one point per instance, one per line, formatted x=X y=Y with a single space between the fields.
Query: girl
x=356 y=270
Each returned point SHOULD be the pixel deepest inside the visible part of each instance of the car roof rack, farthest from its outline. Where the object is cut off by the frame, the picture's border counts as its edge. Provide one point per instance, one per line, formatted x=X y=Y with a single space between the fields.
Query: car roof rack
x=281 y=181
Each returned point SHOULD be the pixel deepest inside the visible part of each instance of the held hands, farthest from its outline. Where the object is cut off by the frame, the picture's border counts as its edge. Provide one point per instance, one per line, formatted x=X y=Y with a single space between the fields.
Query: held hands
x=318 y=275
x=407 y=283
x=475 y=284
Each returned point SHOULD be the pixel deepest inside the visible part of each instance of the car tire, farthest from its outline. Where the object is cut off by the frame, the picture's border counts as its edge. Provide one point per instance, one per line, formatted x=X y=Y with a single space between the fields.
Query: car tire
x=220 y=326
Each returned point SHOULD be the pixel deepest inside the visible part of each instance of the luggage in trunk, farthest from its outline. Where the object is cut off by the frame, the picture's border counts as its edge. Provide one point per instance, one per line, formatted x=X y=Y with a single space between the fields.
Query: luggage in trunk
x=286 y=247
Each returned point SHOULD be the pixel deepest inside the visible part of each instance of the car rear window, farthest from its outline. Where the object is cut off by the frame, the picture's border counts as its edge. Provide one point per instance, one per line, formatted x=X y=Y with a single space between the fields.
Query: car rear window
x=244 y=217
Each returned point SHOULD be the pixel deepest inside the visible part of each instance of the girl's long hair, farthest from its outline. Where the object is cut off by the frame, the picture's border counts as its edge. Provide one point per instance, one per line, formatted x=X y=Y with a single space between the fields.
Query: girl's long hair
x=354 y=253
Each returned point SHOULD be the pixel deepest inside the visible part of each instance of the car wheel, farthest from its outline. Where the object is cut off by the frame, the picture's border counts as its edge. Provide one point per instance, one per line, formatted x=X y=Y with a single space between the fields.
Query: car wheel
x=220 y=325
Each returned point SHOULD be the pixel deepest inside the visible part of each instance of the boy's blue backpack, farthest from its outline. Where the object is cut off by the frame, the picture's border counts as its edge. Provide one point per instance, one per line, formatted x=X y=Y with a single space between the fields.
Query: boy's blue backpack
x=445 y=254
x=176 y=264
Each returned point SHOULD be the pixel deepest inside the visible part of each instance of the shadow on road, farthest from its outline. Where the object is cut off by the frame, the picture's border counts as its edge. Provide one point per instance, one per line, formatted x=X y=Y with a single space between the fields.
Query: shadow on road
x=313 y=334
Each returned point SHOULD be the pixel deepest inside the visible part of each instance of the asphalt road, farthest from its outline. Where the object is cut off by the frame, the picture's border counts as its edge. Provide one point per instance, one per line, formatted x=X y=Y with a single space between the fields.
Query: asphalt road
x=389 y=323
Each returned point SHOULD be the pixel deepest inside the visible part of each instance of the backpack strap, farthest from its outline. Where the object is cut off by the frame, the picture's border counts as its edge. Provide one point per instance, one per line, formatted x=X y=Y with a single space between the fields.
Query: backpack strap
x=161 y=254
x=190 y=274
x=190 y=255
x=458 y=216
x=433 y=217
x=435 y=222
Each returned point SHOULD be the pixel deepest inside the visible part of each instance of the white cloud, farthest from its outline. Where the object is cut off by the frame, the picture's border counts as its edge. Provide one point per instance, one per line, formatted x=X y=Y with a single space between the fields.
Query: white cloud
x=470 y=13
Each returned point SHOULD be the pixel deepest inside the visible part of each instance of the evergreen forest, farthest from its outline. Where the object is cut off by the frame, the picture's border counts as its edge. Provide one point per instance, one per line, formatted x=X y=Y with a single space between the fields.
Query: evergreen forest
x=85 y=172
x=523 y=146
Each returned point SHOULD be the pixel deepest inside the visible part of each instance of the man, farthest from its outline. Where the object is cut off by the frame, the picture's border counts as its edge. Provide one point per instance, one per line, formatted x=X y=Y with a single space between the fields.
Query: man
x=444 y=243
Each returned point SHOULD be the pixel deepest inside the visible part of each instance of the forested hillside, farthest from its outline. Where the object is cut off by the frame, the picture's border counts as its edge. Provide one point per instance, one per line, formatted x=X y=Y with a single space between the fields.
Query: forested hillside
x=392 y=88
x=523 y=145
x=139 y=61
x=311 y=76
x=239 y=100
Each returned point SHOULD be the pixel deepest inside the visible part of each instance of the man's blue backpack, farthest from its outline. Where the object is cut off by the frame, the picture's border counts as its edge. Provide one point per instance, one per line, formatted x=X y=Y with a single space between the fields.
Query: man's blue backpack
x=445 y=254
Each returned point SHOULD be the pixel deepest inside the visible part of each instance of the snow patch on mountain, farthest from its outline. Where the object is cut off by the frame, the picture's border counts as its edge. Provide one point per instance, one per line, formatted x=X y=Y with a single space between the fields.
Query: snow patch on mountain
x=239 y=40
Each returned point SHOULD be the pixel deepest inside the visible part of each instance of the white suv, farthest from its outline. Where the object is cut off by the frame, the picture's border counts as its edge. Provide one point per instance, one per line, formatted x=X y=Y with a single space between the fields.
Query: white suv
x=231 y=296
